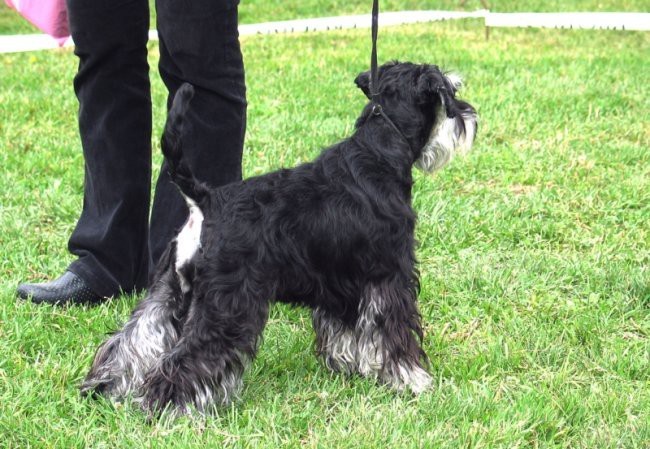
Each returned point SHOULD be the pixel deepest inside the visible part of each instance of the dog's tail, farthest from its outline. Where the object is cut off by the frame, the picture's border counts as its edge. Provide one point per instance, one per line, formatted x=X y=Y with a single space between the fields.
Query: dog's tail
x=171 y=145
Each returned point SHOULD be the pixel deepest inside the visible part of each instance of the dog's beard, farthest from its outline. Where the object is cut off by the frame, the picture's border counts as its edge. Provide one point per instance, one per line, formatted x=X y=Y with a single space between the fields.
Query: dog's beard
x=449 y=137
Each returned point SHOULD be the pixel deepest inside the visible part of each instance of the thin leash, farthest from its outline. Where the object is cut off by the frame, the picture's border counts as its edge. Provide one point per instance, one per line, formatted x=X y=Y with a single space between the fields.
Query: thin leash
x=375 y=94
x=374 y=87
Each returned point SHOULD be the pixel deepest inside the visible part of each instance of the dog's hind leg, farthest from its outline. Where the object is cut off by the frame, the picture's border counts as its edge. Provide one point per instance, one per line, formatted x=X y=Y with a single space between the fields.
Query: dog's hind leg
x=336 y=342
x=389 y=336
x=122 y=361
x=220 y=336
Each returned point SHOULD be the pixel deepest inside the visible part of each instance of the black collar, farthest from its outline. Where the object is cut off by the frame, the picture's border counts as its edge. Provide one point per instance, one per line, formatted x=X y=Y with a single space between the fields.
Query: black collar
x=378 y=111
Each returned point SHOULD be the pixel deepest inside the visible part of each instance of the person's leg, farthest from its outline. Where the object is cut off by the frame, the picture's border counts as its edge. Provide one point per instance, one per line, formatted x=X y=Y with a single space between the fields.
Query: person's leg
x=199 y=44
x=112 y=86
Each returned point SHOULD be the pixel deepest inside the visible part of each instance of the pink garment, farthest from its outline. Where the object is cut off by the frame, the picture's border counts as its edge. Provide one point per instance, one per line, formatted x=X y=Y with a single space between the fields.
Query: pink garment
x=50 y=16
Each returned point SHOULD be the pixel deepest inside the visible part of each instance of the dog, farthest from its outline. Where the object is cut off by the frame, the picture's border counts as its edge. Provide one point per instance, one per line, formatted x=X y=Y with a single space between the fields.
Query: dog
x=335 y=235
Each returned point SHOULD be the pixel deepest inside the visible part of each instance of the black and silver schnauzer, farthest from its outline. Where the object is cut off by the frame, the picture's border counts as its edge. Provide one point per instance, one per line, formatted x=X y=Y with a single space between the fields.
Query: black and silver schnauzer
x=335 y=235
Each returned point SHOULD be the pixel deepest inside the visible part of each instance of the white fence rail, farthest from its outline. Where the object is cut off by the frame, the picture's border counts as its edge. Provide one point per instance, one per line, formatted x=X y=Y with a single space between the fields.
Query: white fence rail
x=583 y=20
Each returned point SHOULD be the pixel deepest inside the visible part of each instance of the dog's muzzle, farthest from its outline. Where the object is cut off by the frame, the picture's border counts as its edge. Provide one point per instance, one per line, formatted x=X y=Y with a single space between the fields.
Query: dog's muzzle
x=449 y=137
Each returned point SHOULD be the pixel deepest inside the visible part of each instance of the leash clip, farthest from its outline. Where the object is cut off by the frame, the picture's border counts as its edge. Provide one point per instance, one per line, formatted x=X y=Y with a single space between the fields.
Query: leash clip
x=376 y=109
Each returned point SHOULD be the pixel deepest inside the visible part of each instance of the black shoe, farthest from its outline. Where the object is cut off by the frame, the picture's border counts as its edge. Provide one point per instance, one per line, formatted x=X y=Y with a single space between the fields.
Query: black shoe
x=69 y=288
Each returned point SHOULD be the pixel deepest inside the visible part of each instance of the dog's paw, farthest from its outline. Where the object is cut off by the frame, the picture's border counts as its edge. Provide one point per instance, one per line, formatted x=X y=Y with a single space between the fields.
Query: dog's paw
x=416 y=379
x=160 y=394
x=97 y=386
x=108 y=374
x=170 y=390
x=407 y=377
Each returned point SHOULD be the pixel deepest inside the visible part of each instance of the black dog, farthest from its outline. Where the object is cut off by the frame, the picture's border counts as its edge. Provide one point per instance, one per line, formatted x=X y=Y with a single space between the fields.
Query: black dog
x=335 y=235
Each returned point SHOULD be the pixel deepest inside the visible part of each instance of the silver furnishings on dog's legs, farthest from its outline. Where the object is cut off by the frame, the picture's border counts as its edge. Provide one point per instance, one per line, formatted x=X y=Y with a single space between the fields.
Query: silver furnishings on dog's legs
x=382 y=343
x=123 y=360
x=336 y=342
x=220 y=337
x=389 y=336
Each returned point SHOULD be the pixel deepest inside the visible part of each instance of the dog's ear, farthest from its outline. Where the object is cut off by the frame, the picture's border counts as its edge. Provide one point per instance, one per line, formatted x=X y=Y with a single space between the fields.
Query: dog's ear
x=433 y=86
x=363 y=82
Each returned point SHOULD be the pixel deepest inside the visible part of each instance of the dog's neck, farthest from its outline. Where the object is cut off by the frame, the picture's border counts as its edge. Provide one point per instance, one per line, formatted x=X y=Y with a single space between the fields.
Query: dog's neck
x=380 y=135
x=387 y=157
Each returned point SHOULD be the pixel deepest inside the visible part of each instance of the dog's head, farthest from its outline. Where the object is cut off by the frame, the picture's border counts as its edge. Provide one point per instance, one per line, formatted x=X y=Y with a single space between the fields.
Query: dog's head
x=421 y=101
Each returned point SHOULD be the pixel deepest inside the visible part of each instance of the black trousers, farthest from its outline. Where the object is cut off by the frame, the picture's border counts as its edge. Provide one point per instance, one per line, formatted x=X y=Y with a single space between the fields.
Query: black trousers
x=116 y=240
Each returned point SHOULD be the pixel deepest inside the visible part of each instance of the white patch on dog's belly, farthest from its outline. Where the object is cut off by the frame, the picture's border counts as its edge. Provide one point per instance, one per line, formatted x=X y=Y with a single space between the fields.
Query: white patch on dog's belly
x=188 y=242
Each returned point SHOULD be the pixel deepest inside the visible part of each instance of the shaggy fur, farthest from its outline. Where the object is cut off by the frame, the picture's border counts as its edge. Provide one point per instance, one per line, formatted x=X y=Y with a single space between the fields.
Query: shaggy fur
x=335 y=235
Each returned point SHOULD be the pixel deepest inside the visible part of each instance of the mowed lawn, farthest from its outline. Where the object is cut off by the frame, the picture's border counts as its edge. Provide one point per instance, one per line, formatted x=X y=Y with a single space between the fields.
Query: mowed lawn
x=533 y=250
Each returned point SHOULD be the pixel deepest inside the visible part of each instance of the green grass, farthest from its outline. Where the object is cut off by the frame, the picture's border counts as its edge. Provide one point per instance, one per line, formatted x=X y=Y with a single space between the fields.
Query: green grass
x=534 y=252
x=253 y=11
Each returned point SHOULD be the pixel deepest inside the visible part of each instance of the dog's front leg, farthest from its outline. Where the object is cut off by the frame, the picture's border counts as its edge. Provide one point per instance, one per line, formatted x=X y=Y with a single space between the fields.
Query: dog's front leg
x=389 y=335
x=204 y=369
x=336 y=342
